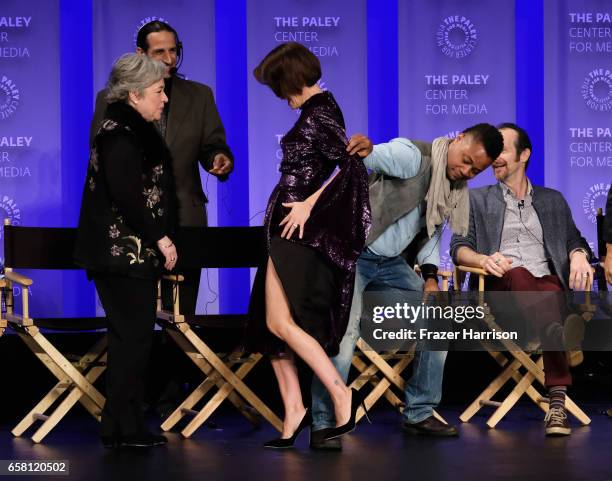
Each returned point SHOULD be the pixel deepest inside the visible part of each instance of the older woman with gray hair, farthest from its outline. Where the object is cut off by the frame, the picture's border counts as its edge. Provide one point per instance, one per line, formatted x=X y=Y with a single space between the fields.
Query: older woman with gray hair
x=127 y=216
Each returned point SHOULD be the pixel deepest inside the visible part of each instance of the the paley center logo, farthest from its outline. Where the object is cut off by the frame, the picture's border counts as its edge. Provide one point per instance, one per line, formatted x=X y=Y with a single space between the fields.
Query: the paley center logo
x=144 y=21
x=8 y=210
x=595 y=198
x=597 y=89
x=457 y=36
x=9 y=97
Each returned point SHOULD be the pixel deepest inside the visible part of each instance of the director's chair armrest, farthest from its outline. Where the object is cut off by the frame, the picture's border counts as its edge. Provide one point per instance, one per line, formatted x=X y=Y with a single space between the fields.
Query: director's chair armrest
x=176 y=311
x=173 y=277
x=25 y=282
x=445 y=275
x=18 y=278
x=480 y=272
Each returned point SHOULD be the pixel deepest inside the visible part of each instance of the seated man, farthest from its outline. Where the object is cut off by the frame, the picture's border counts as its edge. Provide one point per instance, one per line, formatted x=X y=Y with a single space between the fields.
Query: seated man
x=525 y=237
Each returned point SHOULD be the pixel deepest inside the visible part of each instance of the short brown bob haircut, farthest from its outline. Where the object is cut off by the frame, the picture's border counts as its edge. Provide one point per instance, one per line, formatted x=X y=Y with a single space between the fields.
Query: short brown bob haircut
x=288 y=68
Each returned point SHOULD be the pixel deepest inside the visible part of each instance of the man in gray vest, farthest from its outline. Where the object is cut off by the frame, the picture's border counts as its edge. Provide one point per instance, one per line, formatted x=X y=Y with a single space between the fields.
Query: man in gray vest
x=416 y=188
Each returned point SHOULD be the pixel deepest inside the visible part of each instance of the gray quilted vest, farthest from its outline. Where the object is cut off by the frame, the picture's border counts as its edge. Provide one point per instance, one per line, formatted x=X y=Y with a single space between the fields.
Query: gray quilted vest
x=392 y=198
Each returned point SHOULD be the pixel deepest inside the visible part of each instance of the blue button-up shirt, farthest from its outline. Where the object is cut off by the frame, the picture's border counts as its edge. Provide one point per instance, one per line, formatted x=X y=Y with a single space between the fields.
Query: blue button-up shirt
x=402 y=159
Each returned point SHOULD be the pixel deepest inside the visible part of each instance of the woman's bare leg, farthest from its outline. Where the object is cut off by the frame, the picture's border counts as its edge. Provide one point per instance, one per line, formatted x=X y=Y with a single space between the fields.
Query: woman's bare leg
x=289 y=385
x=282 y=325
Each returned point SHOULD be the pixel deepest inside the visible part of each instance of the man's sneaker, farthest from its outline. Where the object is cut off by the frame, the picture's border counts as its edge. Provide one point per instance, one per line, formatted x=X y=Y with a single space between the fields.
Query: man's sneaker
x=430 y=427
x=556 y=422
x=319 y=443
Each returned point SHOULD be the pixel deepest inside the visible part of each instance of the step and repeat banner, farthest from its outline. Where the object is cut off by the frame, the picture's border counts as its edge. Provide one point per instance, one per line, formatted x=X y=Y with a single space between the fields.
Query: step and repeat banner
x=30 y=162
x=194 y=20
x=578 y=105
x=456 y=69
x=336 y=32
x=456 y=64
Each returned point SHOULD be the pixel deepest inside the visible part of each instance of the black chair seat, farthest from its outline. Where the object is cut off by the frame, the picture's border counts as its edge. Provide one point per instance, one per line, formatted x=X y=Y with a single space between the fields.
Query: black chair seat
x=218 y=321
x=72 y=324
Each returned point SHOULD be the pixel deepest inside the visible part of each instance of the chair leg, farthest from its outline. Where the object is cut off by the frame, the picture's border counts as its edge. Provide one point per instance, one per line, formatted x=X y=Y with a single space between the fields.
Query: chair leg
x=485 y=396
x=190 y=401
x=40 y=345
x=575 y=411
x=381 y=387
x=511 y=371
x=534 y=368
x=511 y=400
x=384 y=367
x=368 y=374
x=212 y=378
x=231 y=378
x=64 y=383
x=67 y=404
x=214 y=402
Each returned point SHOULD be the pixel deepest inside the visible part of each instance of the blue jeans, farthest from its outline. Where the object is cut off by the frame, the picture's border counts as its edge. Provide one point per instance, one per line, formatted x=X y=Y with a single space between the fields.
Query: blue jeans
x=424 y=390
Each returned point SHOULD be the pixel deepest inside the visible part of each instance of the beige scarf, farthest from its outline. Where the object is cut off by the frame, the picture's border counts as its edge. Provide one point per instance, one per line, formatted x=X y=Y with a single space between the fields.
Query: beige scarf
x=446 y=200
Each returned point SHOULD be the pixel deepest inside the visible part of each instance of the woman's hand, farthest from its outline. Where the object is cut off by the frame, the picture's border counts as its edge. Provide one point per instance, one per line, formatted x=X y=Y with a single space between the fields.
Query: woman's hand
x=297 y=217
x=168 y=249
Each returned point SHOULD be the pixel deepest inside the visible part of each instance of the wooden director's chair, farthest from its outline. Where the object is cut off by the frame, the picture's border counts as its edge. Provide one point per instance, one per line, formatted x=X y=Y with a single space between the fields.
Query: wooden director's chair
x=521 y=367
x=45 y=249
x=384 y=371
x=215 y=247
x=3 y=321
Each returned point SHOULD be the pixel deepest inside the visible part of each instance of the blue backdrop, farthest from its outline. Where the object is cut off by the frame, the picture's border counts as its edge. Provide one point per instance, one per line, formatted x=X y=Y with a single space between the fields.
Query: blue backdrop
x=377 y=56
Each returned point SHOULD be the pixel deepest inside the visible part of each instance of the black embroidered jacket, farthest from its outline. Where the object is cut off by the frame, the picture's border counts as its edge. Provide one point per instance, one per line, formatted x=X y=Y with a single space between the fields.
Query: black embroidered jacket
x=128 y=200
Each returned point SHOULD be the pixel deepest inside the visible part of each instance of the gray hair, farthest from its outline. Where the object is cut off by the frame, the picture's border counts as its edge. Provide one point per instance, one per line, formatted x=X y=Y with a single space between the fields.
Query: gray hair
x=133 y=72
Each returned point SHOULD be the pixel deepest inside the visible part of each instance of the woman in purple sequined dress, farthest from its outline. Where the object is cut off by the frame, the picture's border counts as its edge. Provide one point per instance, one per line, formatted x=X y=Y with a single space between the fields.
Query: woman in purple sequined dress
x=316 y=224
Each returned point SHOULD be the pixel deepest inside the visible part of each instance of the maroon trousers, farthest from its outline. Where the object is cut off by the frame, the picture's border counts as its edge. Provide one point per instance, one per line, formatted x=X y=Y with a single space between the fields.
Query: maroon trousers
x=556 y=367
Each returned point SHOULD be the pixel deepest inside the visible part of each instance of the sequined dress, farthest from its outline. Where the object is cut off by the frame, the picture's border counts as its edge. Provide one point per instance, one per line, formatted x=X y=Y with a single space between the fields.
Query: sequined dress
x=317 y=272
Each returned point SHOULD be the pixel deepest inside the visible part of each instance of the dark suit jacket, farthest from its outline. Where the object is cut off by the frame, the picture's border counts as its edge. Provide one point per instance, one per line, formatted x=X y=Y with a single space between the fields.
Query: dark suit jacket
x=487 y=213
x=194 y=134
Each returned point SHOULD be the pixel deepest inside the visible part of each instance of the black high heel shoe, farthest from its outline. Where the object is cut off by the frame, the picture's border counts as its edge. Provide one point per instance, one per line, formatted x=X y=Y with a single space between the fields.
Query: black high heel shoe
x=285 y=443
x=357 y=399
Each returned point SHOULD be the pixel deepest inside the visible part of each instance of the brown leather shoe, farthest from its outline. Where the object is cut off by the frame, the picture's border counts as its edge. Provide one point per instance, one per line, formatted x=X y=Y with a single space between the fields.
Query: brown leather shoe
x=430 y=427
x=319 y=443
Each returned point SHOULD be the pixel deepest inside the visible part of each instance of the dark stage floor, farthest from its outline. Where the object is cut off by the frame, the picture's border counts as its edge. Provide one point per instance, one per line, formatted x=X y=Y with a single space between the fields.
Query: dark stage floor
x=516 y=450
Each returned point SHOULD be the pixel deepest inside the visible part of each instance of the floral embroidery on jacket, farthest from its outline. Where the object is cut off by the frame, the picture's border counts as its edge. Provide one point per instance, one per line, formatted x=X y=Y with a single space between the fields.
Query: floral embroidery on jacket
x=158 y=171
x=113 y=231
x=135 y=247
x=136 y=251
x=116 y=251
x=109 y=125
x=153 y=196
